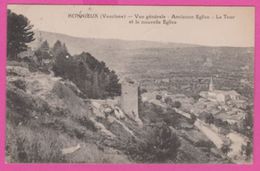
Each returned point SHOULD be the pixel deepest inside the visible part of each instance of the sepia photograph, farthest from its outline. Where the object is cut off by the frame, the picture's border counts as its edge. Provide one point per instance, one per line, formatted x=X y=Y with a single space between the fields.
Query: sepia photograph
x=130 y=84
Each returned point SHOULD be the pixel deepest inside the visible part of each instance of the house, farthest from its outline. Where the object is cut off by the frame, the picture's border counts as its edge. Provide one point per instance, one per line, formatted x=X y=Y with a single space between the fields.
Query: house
x=220 y=96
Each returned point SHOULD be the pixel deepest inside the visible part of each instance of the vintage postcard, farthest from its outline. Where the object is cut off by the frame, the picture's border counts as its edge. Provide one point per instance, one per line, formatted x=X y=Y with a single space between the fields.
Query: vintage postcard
x=130 y=84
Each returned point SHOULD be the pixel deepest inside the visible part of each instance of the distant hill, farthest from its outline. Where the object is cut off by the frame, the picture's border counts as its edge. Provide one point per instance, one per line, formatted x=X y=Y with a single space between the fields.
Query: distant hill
x=107 y=50
x=78 y=44
x=144 y=58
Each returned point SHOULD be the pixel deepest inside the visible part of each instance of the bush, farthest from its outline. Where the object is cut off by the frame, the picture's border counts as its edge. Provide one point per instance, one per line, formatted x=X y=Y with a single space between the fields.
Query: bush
x=20 y=84
x=193 y=119
x=158 y=97
x=225 y=148
x=209 y=119
x=168 y=101
x=176 y=104
x=160 y=145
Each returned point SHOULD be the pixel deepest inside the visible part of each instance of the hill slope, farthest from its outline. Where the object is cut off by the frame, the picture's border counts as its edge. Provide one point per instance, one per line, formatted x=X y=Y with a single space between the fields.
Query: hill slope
x=136 y=57
x=46 y=120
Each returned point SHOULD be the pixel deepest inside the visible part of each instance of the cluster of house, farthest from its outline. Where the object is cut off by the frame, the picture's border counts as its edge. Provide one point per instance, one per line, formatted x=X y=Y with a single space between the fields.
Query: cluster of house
x=230 y=104
x=225 y=105
x=220 y=96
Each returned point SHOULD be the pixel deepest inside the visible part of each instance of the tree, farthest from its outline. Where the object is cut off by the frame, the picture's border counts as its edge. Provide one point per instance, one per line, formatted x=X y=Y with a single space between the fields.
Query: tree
x=58 y=48
x=18 y=34
x=91 y=76
x=247 y=122
x=43 y=52
x=113 y=87
x=44 y=46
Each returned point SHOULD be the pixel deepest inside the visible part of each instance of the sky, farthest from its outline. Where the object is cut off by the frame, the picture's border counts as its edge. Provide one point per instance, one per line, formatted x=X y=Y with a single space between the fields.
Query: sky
x=237 y=31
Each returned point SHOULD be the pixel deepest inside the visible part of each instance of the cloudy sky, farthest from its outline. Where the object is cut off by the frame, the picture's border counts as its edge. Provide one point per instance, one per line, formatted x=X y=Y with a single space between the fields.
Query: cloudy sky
x=238 y=31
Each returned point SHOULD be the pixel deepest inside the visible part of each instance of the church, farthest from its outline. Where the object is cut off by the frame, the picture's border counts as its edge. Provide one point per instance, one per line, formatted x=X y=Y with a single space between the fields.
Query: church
x=220 y=96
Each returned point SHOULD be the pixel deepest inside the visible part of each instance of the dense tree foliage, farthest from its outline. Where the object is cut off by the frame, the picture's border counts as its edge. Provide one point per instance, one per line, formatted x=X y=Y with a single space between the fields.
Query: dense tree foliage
x=43 y=52
x=58 y=48
x=92 y=77
x=18 y=34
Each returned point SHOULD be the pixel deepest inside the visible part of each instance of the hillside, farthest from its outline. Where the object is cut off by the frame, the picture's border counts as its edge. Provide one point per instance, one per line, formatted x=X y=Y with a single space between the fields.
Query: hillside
x=136 y=57
x=47 y=122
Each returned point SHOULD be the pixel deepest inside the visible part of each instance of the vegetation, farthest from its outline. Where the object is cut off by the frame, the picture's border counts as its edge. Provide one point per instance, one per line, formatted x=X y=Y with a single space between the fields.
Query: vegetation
x=159 y=146
x=18 y=34
x=247 y=150
x=34 y=122
x=247 y=123
x=225 y=148
x=193 y=119
x=207 y=117
x=43 y=52
x=92 y=77
x=29 y=146
x=158 y=97
x=176 y=104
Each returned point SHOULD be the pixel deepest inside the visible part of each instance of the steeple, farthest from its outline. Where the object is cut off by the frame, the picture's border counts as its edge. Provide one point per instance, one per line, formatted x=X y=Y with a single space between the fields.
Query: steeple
x=211 y=86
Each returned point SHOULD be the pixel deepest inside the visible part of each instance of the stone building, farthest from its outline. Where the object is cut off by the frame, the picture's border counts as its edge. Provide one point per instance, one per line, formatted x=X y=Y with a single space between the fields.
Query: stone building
x=219 y=95
x=129 y=99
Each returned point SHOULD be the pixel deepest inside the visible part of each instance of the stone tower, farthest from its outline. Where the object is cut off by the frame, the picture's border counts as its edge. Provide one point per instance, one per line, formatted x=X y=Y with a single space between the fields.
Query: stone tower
x=211 y=85
x=129 y=99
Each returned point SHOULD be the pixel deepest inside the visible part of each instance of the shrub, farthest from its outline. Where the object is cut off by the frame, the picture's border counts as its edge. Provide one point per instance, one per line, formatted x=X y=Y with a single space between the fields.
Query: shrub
x=168 y=101
x=225 y=148
x=209 y=119
x=158 y=97
x=160 y=145
x=176 y=104
x=20 y=84
x=193 y=119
